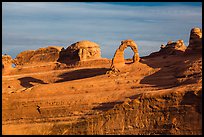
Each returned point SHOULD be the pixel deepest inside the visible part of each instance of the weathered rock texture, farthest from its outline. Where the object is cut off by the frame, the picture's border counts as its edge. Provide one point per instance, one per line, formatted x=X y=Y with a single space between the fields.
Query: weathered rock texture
x=171 y=48
x=118 y=59
x=165 y=113
x=6 y=64
x=155 y=96
x=81 y=51
x=48 y=54
x=195 y=41
x=190 y=71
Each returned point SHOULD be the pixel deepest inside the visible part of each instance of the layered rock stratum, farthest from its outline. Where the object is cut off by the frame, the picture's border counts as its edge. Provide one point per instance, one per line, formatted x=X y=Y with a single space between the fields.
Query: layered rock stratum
x=171 y=48
x=159 y=94
x=41 y=55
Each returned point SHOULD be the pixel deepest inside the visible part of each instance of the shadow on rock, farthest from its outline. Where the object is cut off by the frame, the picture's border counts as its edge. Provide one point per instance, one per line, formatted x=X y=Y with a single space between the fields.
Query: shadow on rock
x=26 y=81
x=165 y=77
x=107 y=105
x=81 y=74
x=191 y=98
x=135 y=96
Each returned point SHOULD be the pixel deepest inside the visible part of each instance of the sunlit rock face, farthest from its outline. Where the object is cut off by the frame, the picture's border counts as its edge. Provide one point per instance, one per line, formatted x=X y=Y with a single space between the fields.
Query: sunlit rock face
x=174 y=47
x=6 y=63
x=171 y=48
x=195 y=41
x=81 y=51
x=41 y=55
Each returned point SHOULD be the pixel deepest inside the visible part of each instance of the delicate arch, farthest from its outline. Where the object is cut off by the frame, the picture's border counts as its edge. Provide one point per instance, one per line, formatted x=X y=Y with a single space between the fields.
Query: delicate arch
x=119 y=54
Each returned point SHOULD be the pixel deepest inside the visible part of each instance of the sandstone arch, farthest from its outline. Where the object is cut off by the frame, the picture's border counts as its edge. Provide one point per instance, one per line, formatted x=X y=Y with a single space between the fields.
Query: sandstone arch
x=119 y=59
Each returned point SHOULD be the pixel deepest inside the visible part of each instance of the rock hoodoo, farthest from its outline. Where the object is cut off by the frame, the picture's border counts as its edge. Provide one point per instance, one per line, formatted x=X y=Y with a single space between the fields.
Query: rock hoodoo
x=195 y=41
x=118 y=58
x=81 y=51
x=48 y=54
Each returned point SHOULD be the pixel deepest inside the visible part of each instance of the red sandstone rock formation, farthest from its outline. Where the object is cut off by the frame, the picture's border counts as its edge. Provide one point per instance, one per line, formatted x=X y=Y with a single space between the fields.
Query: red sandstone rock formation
x=118 y=59
x=195 y=41
x=148 y=100
x=81 y=51
x=171 y=48
x=6 y=63
x=48 y=54
x=190 y=71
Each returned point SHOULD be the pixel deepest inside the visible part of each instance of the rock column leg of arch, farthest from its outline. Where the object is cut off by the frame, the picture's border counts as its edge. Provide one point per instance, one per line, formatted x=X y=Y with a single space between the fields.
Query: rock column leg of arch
x=136 y=57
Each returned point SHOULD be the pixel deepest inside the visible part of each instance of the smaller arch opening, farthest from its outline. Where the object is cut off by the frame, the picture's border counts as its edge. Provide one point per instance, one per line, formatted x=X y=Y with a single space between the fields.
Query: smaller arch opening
x=128 y=55
x=13 y=65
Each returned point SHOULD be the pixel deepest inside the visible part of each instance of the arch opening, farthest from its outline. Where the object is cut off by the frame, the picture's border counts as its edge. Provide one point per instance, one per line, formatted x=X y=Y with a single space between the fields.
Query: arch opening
x=13 y=65
x=128 y=55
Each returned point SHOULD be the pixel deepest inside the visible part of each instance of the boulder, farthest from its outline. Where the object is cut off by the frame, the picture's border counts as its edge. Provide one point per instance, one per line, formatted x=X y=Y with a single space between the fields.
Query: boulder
x=171 y=48
x=41 y=55
x=81 y=51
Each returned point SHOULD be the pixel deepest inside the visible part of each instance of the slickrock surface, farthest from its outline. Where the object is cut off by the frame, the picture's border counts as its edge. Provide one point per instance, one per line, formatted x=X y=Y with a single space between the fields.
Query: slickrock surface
x=154 y=95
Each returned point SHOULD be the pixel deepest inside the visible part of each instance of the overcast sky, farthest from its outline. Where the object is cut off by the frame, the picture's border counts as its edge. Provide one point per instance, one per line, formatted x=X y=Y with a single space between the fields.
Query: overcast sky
x=28 y=26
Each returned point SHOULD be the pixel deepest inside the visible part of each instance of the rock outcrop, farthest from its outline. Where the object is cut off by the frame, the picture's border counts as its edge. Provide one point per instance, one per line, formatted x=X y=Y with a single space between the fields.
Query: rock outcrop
x=6 y=63
x=149 y=96
x=171 y=48
x=174 y=47
x=118 y=59
x=195 y=41
x=41 y=55
x=80 y=51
